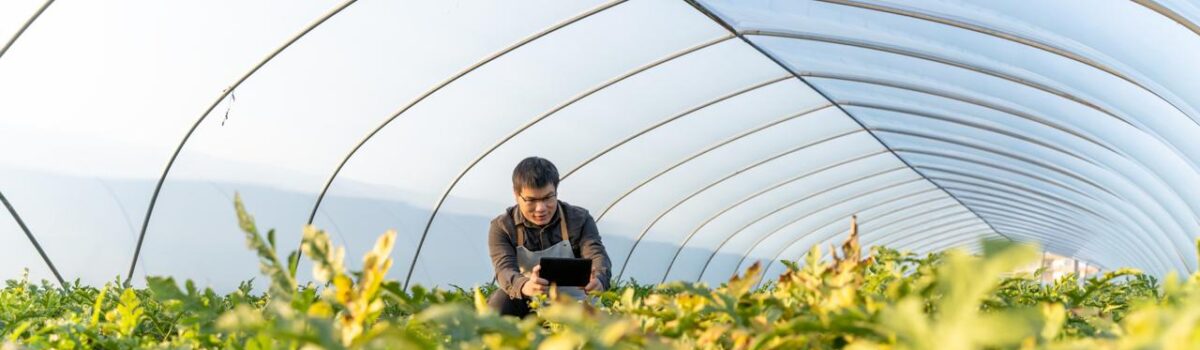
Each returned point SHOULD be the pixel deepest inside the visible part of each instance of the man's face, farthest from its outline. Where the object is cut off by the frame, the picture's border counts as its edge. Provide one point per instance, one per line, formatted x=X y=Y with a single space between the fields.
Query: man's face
x=538 y=204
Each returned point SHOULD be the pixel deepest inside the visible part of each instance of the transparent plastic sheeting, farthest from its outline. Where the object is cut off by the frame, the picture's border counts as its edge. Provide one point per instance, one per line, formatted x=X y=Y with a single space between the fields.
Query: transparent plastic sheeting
x=17 y=255
x=1068 y=129
x=93 y=99
x=697 y=154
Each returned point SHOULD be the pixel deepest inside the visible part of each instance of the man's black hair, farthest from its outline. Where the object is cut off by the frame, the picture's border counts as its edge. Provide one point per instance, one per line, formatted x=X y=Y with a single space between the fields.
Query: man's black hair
x=534 y=172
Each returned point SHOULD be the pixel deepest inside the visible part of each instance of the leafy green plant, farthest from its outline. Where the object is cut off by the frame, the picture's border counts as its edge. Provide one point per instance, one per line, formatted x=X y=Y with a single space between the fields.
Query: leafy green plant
x=884 y=299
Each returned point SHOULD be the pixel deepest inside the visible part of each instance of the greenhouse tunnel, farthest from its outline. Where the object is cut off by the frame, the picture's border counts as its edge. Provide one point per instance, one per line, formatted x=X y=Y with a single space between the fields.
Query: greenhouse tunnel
x=703 y=136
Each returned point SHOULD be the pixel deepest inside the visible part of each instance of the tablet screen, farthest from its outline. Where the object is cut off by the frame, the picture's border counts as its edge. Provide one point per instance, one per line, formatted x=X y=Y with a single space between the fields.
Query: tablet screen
x=566 y=272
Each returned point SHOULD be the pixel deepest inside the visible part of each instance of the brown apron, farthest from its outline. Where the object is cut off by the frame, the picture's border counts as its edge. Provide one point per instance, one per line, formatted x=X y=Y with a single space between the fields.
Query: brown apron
x=527 y=259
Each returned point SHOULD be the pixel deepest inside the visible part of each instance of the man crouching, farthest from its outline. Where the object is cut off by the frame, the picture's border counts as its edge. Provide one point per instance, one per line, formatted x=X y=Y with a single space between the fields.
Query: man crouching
x=540 y=226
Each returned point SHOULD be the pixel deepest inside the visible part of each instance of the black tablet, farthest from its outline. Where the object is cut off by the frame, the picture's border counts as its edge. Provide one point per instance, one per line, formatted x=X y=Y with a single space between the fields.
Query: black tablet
x=566 y=272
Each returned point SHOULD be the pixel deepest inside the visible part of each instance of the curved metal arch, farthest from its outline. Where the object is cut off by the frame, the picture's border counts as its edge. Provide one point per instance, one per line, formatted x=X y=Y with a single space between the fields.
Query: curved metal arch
x=777 y=257
x=1119 y=254
x=940 y=211
x=709 y=149
x=879 y=225
x=446 y=193
x=435 y=89
x=1030 y=209
x=897 y=211
x=964 y=99
x=1119 y=198
x=781 y=208
x=960 y=233
x=1063 y=185
x=1032 y=229
x=1050 y=183
x=834 y=221
x=717 y=19
x=877 y=242
x=962 y=242
x=979 y=196
x=966 y=236
x=13 y=211
x=1023 y=215
x=1057 y=245
x=694 y=109
x=723 y=179
x=765 y=190
x=905 y=52
x=887 y=225
x=1062 y=200
x=1028 y=202
x=944 y=197
x=994 y=131
x=959 y=239
x=1026 y=232
x=952 y=243
x=1057 y=229
x=1023 y=188
x=12 y=40
x=1141 y=165
x=1052 y=201
x=1163 y=10
x=1036 y=163
x=1008 y=169
x=996 y=204
x=991 y=150
x=747 y=168
x=900 y=51
x=986 y=226
x=1032 y=215
x=939 y=245
x=1022 y=200
x=939 y=242
x=179 y=148
x=1040 y=45
x=936 y=154
x=784 y=248
x=675 y=117
x=443 y=84
x=1011 y=155
x=1085 y=253
x=716 y=146
x=933 y=240
x=1006 y=110
x=1039 y=196
x=564 y=105
x=920 y=215
x=905 y=234
x=771 y=233
x=898 y=221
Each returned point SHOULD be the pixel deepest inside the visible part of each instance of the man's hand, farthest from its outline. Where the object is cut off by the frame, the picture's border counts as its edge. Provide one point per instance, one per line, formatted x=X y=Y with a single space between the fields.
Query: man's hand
x=594 y=284
x=535 y=285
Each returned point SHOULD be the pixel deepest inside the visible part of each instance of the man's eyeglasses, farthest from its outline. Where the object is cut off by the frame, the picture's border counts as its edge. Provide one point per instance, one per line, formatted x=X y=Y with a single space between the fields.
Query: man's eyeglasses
x=548 y=199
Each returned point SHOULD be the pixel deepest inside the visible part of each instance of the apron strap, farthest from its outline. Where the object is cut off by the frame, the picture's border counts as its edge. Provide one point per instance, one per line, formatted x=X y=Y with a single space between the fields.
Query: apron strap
x=562 y=224
x=520 y=235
